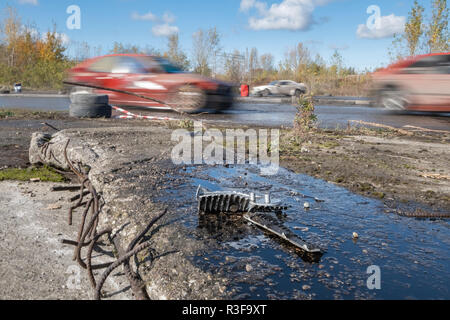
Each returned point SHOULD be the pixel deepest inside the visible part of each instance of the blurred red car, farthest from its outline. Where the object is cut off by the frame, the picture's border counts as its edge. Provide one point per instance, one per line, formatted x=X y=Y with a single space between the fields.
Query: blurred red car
x=420 y=83
x=153 y=77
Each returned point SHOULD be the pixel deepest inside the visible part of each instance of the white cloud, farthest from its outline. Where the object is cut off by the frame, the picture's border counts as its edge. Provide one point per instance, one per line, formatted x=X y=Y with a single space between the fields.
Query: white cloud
x=146 y=17
x=33 y=2
x=385 y=28
x=164 y=30
x=163 y=26
x=168 y=17
x=287 y=15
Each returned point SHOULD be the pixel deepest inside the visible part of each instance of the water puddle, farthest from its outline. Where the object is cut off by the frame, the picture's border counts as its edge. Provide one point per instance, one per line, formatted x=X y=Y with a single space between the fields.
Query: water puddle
x=412 y=254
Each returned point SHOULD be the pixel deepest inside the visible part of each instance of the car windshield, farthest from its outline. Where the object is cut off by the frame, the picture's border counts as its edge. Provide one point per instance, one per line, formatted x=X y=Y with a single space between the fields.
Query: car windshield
x=167 y=66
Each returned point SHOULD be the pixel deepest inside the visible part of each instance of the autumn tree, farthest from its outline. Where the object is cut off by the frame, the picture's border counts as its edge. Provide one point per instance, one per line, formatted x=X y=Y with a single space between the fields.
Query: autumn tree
x=409 y=42
x=206 y=46
x=175 y=54
x=437 y=33
x=234 y=66
x=422 y=36
x=337 y=63
x=120 y=48
x=296 y=62
x=252 y=64
x=267 y=62
x=30 y=58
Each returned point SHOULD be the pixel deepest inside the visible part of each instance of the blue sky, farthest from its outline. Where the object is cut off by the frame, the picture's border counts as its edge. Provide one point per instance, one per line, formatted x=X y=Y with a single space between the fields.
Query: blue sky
x=323 y=25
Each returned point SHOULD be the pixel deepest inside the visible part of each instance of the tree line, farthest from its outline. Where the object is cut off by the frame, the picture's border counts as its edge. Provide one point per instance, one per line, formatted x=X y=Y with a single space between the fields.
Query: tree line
x=29 y=57
x=40 y=60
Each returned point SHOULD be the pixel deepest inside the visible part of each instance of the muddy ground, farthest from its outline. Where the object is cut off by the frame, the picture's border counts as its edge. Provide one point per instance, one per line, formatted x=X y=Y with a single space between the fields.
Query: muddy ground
x=195 y=262
x=379 y=163
x=407 y=167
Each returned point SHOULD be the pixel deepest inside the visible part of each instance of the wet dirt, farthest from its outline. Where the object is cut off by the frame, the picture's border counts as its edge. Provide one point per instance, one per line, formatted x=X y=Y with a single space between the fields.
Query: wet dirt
x=228 y=258
x=406 y=171
x=413 y=254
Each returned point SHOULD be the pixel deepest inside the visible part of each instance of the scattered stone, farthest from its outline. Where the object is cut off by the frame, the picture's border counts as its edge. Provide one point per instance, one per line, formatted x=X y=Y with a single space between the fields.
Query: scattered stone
x=306 y=205
x=355 y=235
x=304 y=150
x=35 y=179
x=230 y=259
x=306 y=287
x=248 y=268
x=54 y=206
x=301 y=229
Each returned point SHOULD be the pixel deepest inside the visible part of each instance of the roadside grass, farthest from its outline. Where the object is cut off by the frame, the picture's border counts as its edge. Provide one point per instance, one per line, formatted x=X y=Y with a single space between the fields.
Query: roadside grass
x=44 y=173
x=16 y=113
x=4 y=114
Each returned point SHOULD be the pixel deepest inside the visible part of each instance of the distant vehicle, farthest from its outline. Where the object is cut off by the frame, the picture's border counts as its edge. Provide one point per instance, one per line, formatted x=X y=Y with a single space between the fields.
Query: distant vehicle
x=153 y=77
x=420 y=83
x=281 y=87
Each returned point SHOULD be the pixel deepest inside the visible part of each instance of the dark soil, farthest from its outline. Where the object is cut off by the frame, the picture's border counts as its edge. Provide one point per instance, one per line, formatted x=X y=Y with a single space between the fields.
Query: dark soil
x=379 y=164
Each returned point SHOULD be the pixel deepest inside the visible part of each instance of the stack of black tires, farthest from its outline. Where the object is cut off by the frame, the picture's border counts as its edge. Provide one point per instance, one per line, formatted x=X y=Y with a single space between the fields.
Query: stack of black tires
x=87 y=105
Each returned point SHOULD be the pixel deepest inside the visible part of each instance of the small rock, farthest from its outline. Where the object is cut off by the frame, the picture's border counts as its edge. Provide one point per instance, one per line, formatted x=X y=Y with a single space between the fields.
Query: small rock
x=355 y=235
x=365 y=251
x=306 y=287
x=54 y=206
x=248 y=268
x=306 y=205
x=35 y=179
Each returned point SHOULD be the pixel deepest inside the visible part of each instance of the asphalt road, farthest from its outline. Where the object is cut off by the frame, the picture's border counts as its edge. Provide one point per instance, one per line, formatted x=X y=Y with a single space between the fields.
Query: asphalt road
x=264 y=114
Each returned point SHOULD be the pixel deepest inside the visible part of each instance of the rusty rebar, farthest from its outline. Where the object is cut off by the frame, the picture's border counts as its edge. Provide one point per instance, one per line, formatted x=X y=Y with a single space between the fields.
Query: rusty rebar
x=88 y=237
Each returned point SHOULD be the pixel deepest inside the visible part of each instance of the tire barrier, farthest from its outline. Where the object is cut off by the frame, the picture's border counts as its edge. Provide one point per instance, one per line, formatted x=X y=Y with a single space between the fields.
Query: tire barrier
x=84 y=105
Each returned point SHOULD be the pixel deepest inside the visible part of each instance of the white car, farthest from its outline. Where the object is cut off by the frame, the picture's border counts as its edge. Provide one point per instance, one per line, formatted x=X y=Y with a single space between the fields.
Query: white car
x=280 y=87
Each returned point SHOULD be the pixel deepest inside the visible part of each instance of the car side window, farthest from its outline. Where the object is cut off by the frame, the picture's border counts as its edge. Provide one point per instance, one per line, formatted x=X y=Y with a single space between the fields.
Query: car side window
x=128 y=65
x=438 y=64
x=150 y=65
x=446 y=66
x=104 y=65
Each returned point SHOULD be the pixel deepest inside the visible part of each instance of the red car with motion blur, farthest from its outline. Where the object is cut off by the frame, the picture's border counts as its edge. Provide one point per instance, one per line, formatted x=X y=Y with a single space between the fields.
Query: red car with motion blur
x=420 y=83
x=152 y=77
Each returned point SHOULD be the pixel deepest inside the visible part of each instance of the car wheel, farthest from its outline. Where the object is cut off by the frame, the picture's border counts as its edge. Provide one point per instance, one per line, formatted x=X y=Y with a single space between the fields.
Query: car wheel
x=189 y=99
x=265 y=93
x=298 y=93
x=392 y=99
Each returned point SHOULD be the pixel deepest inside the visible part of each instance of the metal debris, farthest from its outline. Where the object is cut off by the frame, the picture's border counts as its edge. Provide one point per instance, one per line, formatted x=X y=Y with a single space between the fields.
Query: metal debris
x=286 y=236
x=66 y=188
x=232 y=202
